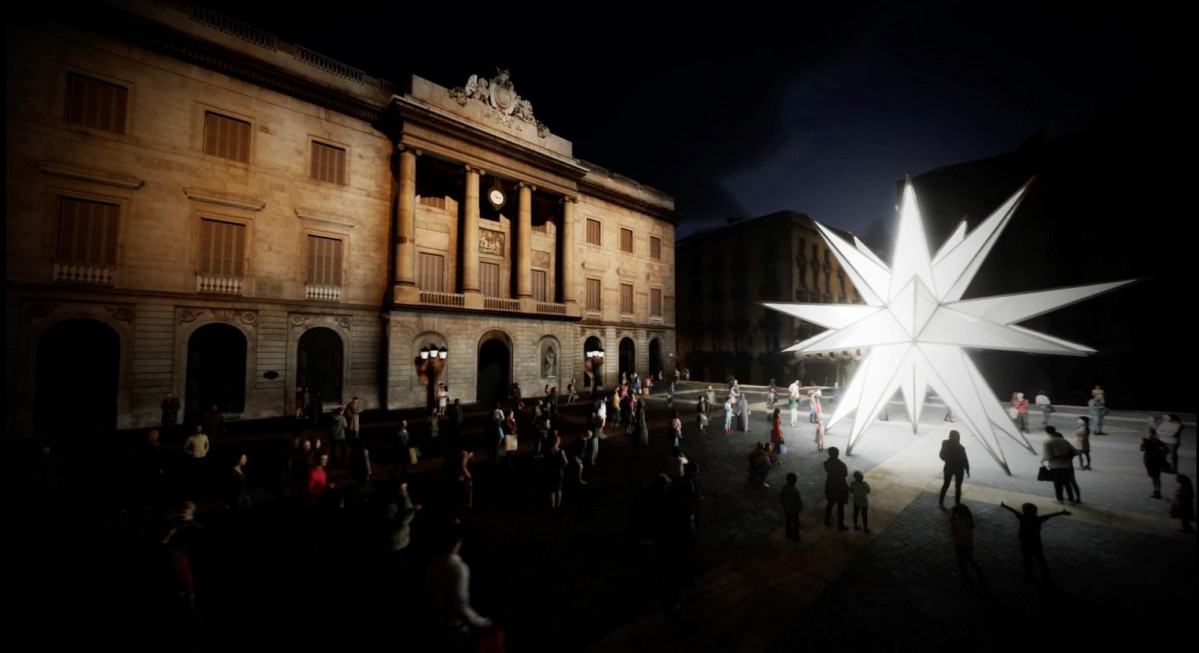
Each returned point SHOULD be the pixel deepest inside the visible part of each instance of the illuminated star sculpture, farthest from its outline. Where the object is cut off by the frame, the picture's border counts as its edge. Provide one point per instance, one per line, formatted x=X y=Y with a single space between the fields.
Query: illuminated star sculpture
x=916 y=325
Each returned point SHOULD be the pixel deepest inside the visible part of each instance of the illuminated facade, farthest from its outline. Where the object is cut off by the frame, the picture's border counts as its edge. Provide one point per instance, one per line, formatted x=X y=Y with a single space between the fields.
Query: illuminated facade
x=196 y=207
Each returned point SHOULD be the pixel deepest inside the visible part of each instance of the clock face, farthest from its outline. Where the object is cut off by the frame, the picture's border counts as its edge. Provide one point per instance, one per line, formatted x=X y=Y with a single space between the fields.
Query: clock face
x=496 y=196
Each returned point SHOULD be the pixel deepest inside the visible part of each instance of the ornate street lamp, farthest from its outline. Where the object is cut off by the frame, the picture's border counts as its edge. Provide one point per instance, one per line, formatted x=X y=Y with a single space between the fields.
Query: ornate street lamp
x=429 y=366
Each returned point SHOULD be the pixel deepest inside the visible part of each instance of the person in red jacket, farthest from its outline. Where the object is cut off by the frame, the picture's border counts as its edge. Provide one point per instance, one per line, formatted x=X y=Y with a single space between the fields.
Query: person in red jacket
x=318 y=481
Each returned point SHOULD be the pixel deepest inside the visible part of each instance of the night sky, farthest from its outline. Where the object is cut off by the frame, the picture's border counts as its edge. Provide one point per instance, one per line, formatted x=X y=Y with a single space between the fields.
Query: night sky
x=820 y=110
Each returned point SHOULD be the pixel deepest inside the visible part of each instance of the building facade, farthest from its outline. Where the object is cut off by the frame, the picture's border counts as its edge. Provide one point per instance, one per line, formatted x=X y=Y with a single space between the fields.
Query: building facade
x=724 y=277
x=196 y=207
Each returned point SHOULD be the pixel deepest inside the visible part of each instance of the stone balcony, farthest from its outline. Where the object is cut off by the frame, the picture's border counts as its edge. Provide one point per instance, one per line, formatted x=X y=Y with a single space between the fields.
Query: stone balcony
x=84 y=273
x=474 y=301
x=219 y=285
x=323 y=293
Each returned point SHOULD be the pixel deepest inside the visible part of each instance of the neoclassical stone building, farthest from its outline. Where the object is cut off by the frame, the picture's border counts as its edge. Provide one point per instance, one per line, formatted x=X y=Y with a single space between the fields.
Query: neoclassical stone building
x=196 y=207
x=724 y=277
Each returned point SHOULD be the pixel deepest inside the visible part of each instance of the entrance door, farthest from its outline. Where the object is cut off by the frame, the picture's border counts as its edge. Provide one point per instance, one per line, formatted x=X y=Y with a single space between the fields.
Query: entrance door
x=319 y=364
x=628 y=358
x=78 y=376
x=494 y=377
x=655 y=358
x=216 y=370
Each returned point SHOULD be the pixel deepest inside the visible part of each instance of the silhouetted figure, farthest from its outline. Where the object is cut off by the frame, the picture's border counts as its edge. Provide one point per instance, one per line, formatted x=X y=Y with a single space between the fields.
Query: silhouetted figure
x=956 y=464
x=1082 y=442
x=398 y=515
x=1183 y=506
x=170 y=414
x=836 y=489
x=1154 y=459
x=1030 y=539
x=448 y=581
x=860 y=490
x=555 y=472
x=337 y=436
x=403 y=455
x=239 y=498
x=213 y=423
x=792 y=507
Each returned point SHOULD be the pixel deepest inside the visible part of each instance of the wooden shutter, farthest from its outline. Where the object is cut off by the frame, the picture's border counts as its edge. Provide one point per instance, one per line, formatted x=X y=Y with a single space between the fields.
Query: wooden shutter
x=431 y=275
x=222 y=248
x=97 y=104
x=328 y=163
x=489 y=279
x=87 y=232
x=324 y=261
x=228 y=138
x=626 y=299
x=593 y=295
x=540 y=285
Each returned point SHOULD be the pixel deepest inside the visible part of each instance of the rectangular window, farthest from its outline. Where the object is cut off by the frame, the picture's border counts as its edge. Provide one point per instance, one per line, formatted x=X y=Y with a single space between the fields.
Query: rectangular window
x=655 y=302
x=540 y=286
x=430 y=273
x=626 y=240
x=222 y=248
x=324 y=261
x=626 y=299
x=593 y=295
x=328 y=163
x=655 y=247
x=593 y=232
x=489 y=279
x=96 y=104
x=228 y=138
x=87 y=232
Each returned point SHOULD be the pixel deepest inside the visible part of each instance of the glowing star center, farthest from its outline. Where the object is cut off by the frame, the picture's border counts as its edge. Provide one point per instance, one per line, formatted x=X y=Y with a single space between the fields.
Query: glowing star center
x=916 y=325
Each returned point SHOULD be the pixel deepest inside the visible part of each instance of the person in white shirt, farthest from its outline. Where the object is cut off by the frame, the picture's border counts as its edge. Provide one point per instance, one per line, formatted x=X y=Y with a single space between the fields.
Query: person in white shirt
x=448 y=580
x=793 y=401
x=1045 y=405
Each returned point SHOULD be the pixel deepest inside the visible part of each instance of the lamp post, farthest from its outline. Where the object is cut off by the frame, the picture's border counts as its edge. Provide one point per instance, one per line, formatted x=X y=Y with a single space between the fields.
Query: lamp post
x=430 y=365
x=596 y=358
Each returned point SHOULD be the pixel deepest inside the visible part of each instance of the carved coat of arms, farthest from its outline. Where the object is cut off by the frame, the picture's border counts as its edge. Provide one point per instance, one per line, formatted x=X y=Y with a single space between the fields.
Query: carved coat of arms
x=500 y=95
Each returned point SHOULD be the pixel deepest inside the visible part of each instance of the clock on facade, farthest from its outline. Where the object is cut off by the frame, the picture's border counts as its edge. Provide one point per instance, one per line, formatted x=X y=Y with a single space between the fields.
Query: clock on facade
x=496 y=197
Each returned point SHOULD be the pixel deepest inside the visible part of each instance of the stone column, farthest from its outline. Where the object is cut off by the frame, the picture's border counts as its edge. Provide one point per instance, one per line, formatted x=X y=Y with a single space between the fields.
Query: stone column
x=470 y=232
x=524 y=241
x=566 y=251
x=405 y=228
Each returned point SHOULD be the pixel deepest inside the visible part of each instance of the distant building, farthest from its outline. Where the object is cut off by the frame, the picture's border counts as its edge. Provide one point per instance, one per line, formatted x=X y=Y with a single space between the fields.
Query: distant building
x=195 y=206
x=725 y=274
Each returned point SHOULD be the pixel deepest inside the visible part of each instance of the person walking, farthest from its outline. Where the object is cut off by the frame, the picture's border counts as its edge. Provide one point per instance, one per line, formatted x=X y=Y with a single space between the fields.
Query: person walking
x=1183 y=506
x=793 y=401
x=1059 y=454
x=196 y=447
x=1021 y=406
x=956 y=464
x=728 y=415
x=556 y=472
x=170 y=414
x=860 y=490
x=701 y=413
x=448 y=581
x=353 y=422
x=836 y=489
x=676 y=429
x=1170 y=432
x=814 y=409
x=710 y=403
x=776 y=432
x=239 y=499
x=792 y=507
x=1082 y=442
x=1154 y=459
x=337 y=436
x=1030 y=538
x=571 y=393
x=1045 y=406
x=1096 y=410
x=818 y=436
x=403 y=455
x=642 y=427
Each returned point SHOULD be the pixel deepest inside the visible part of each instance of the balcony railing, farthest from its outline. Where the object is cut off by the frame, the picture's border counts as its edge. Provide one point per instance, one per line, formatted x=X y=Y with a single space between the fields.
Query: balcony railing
x=551 y=308
x=95 y=275
x=209 y=283
x=441 y=298
x=501 y=304
x=323 y=293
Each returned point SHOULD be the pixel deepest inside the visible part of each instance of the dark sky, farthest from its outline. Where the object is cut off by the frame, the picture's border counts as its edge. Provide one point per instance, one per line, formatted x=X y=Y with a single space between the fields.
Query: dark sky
x=809 y=109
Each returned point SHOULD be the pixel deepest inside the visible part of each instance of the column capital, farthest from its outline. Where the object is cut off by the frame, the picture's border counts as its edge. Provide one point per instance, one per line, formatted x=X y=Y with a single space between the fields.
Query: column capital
x=568 y=198
x=400 y=147
x=472 y=168
x=525 y=184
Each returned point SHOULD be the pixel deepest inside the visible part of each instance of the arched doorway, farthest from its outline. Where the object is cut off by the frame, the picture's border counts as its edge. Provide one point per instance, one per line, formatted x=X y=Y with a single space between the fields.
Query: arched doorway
x=655 y=357
x=77 y=378
x=495 y=368
x=593 y=366
x=319 y=360
x=628 y=358
x=216 y=369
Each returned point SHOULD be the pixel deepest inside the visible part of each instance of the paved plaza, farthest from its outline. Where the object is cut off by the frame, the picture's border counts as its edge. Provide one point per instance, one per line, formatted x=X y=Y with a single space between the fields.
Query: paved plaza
x=576 y=581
